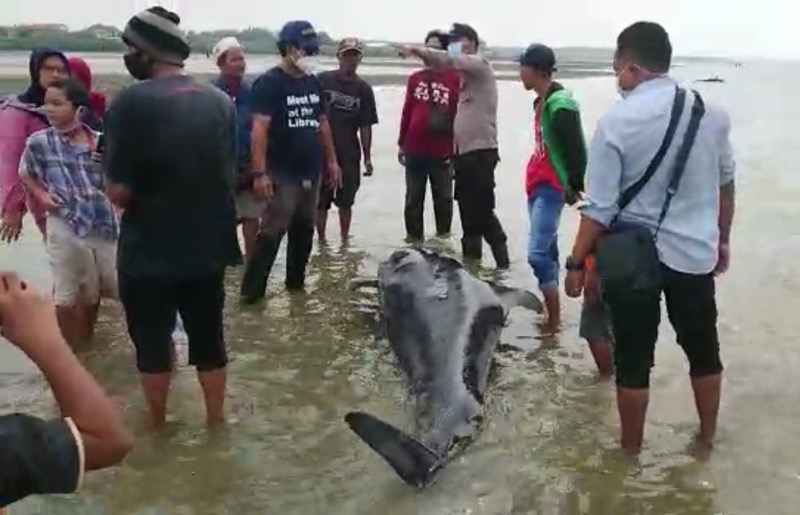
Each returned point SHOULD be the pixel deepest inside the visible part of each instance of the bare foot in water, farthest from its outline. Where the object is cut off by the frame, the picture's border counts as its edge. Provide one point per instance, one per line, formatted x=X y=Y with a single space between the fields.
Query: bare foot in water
x=700 y=448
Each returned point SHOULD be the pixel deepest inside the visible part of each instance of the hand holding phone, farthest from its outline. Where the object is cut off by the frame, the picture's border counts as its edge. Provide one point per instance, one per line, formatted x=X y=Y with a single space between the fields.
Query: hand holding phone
x=99 y=147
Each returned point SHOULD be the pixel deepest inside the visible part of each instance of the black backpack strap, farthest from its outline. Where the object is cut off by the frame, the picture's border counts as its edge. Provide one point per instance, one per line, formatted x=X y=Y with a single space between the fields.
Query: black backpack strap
x=675 y=117
x=698 y=110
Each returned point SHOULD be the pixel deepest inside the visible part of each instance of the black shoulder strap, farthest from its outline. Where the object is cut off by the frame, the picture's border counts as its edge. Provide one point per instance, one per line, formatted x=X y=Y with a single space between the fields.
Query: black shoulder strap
x=675 y=117
x=698 y=110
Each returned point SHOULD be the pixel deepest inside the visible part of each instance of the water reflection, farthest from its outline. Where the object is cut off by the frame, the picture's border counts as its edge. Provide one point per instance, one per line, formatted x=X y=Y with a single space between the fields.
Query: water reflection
x=300 y=362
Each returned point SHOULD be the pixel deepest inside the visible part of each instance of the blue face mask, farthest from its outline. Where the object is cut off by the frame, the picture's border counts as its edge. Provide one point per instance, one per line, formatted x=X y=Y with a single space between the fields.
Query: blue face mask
x=454 y=48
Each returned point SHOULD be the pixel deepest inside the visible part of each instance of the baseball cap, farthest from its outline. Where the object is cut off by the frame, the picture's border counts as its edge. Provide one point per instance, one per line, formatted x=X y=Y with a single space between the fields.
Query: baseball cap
x=348 y=44
x=223 y=45
x=300 y=33
x=539 y=56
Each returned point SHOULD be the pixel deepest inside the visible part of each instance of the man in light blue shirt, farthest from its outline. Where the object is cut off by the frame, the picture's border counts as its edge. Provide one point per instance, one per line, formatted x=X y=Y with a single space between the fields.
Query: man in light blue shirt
x=692 y=241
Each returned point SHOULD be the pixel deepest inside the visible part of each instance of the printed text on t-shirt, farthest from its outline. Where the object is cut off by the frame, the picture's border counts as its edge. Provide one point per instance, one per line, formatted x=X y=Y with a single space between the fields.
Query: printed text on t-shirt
x=303 y=111
x=440 y=93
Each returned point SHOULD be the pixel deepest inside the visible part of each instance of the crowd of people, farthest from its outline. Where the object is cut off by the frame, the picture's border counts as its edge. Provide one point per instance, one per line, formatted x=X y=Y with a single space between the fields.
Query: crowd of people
x=111 y=192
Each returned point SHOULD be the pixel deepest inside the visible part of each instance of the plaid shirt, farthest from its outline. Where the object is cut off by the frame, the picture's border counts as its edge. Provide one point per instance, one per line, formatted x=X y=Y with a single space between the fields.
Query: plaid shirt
x=68 y=173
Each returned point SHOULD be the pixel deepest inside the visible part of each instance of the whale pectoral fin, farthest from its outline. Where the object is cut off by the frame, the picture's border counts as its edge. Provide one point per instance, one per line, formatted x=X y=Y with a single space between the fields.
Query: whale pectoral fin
x=529 y=300
x=413 y=461
x=513 y=297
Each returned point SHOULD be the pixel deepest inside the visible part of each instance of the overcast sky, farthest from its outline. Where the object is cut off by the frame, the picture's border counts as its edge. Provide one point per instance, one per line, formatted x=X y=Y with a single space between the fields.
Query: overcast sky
x=754 y=28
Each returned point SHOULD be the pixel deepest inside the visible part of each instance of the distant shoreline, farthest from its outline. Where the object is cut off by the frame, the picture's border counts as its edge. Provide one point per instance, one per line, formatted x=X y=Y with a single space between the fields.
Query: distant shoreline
x=113 y=82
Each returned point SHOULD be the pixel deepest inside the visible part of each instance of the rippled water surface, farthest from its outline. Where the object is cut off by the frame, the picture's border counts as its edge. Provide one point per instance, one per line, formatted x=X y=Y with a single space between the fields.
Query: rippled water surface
x=300 y=363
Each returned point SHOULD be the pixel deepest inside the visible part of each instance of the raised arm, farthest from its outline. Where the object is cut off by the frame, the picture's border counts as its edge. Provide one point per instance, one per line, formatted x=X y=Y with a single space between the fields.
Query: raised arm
x=51 y=457
x=467 y=63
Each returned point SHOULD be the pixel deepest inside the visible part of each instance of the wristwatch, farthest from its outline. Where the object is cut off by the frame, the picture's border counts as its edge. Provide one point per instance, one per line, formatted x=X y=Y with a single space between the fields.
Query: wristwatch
x=573 y=265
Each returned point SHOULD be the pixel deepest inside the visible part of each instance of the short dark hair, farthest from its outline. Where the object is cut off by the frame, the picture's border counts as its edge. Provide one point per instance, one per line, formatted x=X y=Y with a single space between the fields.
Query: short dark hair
x=440 y=36
x=462 y=30
x=648 y=44
x=75 y=92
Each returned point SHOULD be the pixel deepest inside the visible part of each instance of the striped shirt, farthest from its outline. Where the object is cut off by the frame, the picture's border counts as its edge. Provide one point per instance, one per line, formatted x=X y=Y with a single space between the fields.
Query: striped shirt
x=65 y=169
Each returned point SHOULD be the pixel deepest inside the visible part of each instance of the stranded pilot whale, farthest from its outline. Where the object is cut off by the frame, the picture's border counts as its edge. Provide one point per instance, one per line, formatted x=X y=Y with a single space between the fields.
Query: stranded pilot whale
x=443 y=326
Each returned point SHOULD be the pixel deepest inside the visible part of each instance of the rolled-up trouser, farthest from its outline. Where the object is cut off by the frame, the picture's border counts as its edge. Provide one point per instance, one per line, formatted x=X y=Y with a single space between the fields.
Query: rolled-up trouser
x=474 y=192
x=419 y=171
x=692 y=311
x=544 y=210
x=292 y=208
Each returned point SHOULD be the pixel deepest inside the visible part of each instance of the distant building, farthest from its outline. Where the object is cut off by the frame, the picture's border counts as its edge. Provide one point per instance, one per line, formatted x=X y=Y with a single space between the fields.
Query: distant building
x=103 y=31
x=54 y=27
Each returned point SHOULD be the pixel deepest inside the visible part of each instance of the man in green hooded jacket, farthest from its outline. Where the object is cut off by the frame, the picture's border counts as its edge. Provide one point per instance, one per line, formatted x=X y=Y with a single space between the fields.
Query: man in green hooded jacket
x=554 y=174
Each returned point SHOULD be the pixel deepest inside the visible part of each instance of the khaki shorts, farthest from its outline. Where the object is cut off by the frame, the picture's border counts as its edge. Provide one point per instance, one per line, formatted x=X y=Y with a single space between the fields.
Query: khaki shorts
x=84 y=269
x=248 y=206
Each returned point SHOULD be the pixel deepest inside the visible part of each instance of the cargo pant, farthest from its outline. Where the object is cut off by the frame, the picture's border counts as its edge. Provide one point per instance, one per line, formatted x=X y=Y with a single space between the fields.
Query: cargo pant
x=291 y=211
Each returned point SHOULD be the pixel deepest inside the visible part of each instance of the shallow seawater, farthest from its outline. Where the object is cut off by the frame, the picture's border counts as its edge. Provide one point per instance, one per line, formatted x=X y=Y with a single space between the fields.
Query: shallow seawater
x=299 y=363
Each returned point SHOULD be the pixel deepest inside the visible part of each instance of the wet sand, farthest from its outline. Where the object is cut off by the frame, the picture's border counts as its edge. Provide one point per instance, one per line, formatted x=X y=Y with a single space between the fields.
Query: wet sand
x=300 y=363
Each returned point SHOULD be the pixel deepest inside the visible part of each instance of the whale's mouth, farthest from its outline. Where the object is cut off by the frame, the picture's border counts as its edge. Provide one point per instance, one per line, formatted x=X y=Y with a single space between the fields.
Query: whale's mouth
x=415 y=463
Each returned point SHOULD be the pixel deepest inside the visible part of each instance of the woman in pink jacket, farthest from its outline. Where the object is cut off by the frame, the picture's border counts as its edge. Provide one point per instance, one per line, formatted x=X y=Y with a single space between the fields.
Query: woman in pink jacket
x=20 y=117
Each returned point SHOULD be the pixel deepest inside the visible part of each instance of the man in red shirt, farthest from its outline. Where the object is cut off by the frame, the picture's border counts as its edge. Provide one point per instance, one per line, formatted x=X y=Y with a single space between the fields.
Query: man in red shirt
x=426 y=142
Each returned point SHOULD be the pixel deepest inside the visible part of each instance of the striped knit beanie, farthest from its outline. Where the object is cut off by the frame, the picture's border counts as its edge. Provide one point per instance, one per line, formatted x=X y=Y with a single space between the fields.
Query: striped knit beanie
x=156 y=32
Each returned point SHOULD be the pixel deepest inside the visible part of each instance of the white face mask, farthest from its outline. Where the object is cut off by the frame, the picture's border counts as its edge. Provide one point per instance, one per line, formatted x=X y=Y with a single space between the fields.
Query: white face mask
x=308 y=64
x=455 y=48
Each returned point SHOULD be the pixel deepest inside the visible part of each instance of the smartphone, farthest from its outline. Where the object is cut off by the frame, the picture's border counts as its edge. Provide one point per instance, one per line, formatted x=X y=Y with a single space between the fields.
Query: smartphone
x=100 y=143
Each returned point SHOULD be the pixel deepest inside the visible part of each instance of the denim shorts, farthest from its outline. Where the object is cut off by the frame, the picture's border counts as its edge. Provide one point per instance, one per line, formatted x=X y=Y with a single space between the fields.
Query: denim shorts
x=544 y=210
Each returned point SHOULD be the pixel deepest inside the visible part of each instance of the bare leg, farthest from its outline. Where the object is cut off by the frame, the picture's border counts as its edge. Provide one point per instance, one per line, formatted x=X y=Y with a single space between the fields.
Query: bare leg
x=75 y=324
x=706 y=398
x=322 y=224
x=603 y=357
x=345 y=219
x=632 y=406
x=213 y=385
x=249 y=233
x=156 y=391
x=552 y=303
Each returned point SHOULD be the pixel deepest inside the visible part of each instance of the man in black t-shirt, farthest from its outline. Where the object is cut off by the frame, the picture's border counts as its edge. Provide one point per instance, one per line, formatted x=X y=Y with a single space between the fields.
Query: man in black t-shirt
x=352 y=111
x=291 y=145
x=170 y=162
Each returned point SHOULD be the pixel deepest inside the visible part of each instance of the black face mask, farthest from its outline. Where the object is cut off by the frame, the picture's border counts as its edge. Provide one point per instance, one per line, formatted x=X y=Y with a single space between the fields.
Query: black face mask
x=137 y=65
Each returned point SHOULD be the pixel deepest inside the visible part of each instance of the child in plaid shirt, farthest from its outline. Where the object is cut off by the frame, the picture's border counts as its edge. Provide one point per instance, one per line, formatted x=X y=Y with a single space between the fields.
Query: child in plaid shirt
x=82 y=230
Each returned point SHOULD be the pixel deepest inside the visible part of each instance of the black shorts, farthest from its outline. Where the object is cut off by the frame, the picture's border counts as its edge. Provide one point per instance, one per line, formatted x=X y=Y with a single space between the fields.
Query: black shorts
x=692 y=311
x=345 y=196
x=151 y=308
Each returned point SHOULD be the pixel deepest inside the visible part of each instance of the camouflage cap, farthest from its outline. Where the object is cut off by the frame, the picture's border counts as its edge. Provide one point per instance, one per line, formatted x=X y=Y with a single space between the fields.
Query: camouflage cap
x=348 y=44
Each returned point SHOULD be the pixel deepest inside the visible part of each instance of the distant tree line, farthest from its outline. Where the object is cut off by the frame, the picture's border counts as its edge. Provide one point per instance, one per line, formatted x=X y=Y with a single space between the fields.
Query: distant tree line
x=105 y=38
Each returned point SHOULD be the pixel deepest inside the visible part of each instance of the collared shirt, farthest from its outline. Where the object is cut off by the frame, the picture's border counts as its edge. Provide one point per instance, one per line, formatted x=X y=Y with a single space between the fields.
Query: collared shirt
x=627 y=138
x=39 y=457
x=68 y=173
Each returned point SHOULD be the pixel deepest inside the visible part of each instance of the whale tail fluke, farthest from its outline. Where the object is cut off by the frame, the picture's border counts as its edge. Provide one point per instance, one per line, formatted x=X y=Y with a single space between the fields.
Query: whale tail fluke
x=416 y=463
